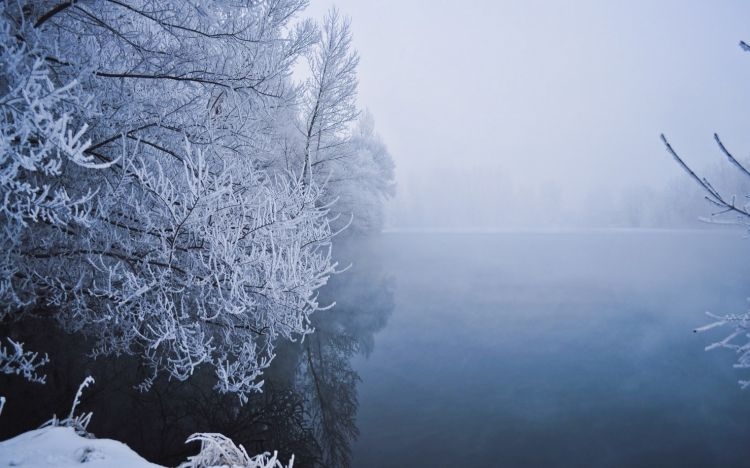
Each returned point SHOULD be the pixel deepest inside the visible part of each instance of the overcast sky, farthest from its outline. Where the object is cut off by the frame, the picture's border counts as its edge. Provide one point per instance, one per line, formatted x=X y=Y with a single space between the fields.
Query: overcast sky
x=567 y=97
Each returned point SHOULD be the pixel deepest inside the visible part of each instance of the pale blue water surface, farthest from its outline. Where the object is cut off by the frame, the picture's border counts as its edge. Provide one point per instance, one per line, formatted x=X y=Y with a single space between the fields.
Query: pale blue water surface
x=553 y=349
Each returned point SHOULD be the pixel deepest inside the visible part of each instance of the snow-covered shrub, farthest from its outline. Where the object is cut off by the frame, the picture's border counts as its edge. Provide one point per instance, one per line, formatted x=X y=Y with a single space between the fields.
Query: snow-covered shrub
x=218 y=451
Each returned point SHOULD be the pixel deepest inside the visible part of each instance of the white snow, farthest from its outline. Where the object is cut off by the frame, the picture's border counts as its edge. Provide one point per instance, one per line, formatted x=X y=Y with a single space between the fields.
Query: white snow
x=62 y=447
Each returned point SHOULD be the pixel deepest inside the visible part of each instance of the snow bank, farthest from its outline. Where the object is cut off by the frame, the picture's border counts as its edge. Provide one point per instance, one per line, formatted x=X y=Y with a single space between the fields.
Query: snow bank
x=62 y=447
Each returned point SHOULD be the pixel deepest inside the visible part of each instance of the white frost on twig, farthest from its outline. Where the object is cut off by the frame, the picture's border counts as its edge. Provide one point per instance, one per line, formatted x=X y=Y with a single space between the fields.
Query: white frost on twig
x=15 y=360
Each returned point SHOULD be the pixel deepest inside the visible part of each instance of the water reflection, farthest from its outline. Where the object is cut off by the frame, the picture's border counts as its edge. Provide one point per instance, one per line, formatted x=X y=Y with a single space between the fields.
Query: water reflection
x=365 y=301
x=308 y=407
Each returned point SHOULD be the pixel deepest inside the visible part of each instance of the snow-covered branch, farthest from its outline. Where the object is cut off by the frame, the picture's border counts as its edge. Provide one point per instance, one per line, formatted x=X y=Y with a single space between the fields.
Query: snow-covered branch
x=740 y=212
x=16 y=360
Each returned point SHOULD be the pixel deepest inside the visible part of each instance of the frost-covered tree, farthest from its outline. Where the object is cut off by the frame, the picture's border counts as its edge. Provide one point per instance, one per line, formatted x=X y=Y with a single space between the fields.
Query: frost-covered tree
x=143 y=198
x=157 y=192
x=729 y=208
x=363 y=181
x=330 y=95
x=340 y=143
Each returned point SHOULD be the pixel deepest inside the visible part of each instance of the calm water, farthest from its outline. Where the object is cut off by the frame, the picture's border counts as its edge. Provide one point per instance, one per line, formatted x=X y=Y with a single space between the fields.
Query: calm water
x=543 y=349
x=507 y=350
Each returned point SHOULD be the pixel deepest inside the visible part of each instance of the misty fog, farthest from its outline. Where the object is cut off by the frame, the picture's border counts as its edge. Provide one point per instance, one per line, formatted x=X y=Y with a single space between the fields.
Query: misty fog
x=547 y=114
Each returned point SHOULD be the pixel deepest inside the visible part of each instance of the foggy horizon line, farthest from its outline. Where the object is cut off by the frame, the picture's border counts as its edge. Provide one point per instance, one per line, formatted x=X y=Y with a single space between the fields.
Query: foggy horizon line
x=709 y=228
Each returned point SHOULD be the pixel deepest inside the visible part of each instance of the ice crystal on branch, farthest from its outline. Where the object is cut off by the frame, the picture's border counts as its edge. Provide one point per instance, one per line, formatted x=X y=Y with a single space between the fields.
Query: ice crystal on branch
x=15 y=360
